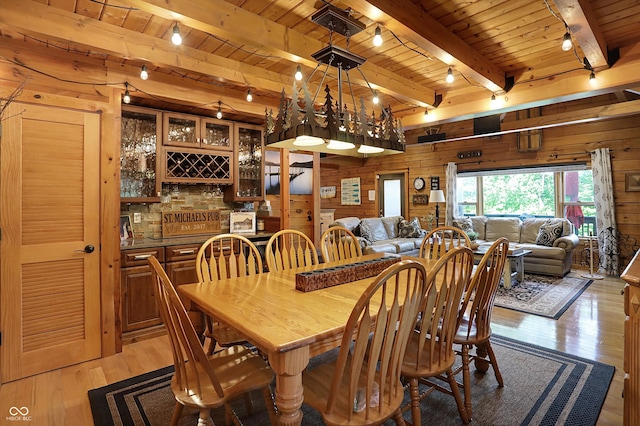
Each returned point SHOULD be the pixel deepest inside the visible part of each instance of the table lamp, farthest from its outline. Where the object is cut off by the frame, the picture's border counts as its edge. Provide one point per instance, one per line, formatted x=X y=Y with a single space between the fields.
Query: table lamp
x=437 y=196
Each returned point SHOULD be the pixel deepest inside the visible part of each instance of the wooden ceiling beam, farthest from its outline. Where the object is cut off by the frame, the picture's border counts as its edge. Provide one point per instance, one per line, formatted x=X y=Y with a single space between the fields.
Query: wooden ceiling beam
x=230 y=22
x=579 y=16
x=410 y=21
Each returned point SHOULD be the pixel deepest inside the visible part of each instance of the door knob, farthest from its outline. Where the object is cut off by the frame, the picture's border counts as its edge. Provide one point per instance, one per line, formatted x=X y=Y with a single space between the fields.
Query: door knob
x=87 y=249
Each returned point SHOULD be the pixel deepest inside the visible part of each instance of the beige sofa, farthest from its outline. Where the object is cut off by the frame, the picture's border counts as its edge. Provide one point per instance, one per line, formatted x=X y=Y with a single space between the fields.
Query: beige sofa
x=554 y=259
x=383 y=234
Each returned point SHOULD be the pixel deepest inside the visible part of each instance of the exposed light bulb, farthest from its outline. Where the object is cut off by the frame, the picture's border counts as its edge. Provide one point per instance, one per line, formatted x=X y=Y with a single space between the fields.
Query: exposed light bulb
x=249 y=96
x=494 y=102
x=298 y=73
x=566 y=42
x=219 y=113
x=377 y=38
x=176 y=38
x=592 y=78
x=375 y=97
x=450 y=77
x=143 y=72
x=126 y=98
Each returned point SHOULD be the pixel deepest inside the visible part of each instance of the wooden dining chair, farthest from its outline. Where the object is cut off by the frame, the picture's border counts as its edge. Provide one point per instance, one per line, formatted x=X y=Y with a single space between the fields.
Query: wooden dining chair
x=220 y=257
x=372 y=347
x=430 y=350
x=474 y=320
x=290 y=249
x=442 y=239
x=202 y=381
x=338 y=243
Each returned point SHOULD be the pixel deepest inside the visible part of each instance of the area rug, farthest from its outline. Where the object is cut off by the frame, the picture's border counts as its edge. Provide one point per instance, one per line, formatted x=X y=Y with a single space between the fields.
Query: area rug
x=542 y=387
x=542 y=295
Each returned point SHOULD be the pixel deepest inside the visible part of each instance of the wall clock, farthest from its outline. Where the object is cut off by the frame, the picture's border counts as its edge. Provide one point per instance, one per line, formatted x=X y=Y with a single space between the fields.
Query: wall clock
x=418 y=184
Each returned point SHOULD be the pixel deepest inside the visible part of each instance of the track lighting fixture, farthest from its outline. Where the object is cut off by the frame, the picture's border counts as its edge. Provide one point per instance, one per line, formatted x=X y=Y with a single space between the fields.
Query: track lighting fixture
x=127 y=97
x=219 y=113
x=249 y=96
x=176 y=38
x=377 y=38
x=567 y=44
x=298 y=73
x=143 y=72
x=450 y=77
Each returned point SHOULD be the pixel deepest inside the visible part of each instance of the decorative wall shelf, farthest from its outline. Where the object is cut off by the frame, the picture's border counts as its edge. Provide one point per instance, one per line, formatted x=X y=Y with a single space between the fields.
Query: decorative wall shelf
x=198 y=167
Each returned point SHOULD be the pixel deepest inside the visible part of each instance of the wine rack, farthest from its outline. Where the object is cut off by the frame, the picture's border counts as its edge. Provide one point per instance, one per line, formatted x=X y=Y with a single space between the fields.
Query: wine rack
x=182 y=166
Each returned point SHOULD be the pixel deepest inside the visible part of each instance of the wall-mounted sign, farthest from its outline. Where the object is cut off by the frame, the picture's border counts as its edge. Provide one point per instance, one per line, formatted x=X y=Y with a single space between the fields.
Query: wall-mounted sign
x=190 y=222
x=435 y=182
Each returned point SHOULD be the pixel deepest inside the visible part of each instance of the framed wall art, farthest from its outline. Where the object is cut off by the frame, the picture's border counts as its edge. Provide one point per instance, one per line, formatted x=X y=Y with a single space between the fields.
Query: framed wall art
x=126 y=231
x=632 y=182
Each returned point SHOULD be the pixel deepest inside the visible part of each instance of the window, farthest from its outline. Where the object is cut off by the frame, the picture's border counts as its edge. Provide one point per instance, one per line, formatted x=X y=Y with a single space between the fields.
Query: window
x=537 y=192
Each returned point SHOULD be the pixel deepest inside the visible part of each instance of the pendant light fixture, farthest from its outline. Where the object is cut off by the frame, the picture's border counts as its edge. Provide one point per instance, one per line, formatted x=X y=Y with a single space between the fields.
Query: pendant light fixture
x=219 y=113
x=450 y=77
x=143 y=72
x=377 y=38
x=334 y=129
x=567 y=44
x=249 y=96
x=126 y=98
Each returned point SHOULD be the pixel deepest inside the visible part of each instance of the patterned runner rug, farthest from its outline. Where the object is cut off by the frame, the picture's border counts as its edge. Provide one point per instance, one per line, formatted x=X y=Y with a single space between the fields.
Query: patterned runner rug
x=542 y=295
x=542 y=387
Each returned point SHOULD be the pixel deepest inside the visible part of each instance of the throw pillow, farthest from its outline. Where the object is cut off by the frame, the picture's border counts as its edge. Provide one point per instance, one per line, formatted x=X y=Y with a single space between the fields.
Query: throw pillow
x=463 y=223
x=366 y=232
x=548 y=233
x=410 y=229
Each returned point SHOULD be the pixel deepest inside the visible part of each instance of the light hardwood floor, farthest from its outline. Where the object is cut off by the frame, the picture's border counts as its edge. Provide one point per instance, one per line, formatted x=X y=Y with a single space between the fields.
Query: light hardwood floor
x=592 y=328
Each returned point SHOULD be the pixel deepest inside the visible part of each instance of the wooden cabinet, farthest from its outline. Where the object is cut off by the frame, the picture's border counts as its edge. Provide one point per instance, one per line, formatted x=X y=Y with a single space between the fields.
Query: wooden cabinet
x=192 y=131
x=248 y=180
x=140 y=133
x=181 y=269
x=632 y=342
x=139 y=312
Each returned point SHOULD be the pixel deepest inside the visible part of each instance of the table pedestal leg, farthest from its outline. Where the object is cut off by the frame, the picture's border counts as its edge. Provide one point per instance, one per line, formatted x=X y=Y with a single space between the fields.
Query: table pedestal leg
x=480 y=362
x=288 y=367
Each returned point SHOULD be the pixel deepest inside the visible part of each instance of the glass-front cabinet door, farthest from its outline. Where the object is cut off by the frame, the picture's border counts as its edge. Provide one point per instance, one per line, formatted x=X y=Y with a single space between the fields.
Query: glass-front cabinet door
x=216 y=134
x=249 y=165
x=140 y=133
x=181 y=130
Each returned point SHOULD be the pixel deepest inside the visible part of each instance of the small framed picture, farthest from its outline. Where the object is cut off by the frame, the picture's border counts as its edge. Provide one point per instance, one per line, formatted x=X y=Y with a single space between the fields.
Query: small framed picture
x=126 y=231
x=242 y=222
x=632 y=182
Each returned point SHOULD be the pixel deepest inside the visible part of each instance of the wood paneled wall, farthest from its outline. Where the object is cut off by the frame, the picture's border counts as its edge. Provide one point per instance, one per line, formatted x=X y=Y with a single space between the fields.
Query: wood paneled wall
x=560 y=145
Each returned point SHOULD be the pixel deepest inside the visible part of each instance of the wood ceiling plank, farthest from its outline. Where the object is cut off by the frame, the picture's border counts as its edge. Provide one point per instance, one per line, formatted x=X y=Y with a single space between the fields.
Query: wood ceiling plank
x=585 y=29
x=409 y=21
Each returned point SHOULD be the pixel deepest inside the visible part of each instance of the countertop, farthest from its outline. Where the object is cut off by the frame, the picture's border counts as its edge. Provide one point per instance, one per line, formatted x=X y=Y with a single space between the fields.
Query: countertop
x=138 y=243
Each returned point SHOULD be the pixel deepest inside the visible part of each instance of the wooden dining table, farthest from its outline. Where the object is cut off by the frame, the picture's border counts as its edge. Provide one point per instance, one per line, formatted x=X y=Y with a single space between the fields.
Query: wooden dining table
x=289 y=325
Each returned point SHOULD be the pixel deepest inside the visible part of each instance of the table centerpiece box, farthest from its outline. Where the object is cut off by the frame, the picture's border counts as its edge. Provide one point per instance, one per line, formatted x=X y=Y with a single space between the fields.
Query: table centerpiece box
x=341 y=274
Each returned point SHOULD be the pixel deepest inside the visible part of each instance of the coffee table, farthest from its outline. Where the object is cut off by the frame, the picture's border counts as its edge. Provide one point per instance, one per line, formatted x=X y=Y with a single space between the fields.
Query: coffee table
x=513 y=267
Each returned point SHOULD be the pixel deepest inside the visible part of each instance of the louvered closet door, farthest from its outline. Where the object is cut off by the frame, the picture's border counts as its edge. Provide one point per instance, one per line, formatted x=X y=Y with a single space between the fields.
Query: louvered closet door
x=50 y=286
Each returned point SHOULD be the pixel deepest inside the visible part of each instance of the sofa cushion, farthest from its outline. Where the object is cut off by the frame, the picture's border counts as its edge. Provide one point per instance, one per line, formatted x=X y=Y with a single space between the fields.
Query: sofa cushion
x=372 y=229
x=543 y=252
x=403 y=244
x=548 y=233
x=508 y=227
x=351 y=223
x=531 y=226
x=479 y=223
x=410 y=229
x=380 y=247
x=391 y=225
x=463 y=223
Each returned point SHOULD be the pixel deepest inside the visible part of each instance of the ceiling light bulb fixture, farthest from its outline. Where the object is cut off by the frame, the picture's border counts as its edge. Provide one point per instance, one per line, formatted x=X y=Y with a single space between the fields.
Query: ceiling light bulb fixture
x=494 y=102
x=566 y=41
x=249 y=96
x=143 y=72
x=219 y=113
x=377 y=38
x=127 y=97
x=376 y=99
x=450 y=77
x=176 y=38
x=592 y=78
x=298 y=73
